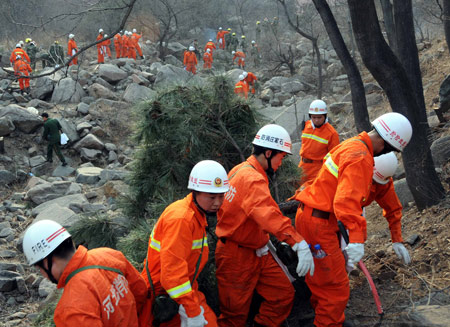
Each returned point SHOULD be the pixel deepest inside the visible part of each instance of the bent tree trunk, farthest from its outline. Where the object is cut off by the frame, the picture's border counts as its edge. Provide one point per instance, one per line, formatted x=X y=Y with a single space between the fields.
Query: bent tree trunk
x=389 y=24
x=354 y=77
x=446 y=6
x=385 y=67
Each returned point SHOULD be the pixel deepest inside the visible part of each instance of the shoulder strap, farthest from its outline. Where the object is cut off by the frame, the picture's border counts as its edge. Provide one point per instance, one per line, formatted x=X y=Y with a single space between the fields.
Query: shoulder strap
x=73 y=273
x=244 y=166
x=361 y=142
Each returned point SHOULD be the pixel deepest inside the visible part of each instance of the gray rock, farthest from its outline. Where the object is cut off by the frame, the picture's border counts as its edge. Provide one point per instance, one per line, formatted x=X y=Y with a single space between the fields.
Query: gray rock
x=429 y=315
x=83 y=108
x=372 y=87
x=169 y=75
x=88 y=175
x=99 y=91
x=6 y=177
x=36 y=161
x=266 y=95
x=105 y=106
x=36 y=103
x=61 y=171
x=7 y=254
x=72 y=202
x=335 y=69
x=293 y=87
x=373 y=99
x=6 y=232
x=140 y=80
x=275 y=83
x=104 y=83
x=5 y=224
x=22 y=288
x=43 y=88
x=41 y=169
x=49 y=191
x=68 y=127
x=67 y=90
x=62 y=215
x=113 y=174
x=172 y=60
x=112 y=156
x=83 y=125
x=6 y=126
x=155 y=67
x=403 y=192
x=90 y=154
x=90 y=141
x=111 y=73
x=7 y=284
x=136 y=93
x=21 y=118
x=340 y=81
x=110 y=147
x=440 y=150
x=46 y=287
x=339 y=107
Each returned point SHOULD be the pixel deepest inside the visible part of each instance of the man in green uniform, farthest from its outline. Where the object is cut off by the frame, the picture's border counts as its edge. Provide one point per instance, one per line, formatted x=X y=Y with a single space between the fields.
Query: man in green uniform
x=31 y=50
x=228 y=39
x=51 y=133
x=254 y=53
x=56 y=54
x=233 y=42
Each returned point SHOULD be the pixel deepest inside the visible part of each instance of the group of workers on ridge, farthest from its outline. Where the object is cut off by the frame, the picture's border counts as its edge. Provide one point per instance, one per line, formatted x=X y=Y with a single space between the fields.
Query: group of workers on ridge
x=340 y=180
x=126 y=45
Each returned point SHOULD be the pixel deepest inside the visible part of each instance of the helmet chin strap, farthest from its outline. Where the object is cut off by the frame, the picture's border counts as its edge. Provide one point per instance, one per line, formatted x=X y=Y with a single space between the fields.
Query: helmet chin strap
x=269 y=171
x=48 y=270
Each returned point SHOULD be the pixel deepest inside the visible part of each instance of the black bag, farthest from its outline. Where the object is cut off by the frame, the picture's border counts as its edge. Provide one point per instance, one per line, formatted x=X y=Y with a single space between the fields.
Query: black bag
x=164 y=307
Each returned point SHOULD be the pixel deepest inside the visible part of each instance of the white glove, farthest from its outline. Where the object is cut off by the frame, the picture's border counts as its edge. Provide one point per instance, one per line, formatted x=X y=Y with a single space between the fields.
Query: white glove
x=262 y=251
x=402 y=252
x=355 y=252
x=197 y=321
x=305 y=259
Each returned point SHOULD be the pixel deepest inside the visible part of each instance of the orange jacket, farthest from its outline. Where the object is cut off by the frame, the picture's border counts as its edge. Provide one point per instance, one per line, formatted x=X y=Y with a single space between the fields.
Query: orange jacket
x=16 y=52
x=118 y=40
x=107 y=42
x=221 y=34
x=99 y=45
x=207 y=57
x=343 y=183
x=189 y=58
x=388 y=200
x=71 y=46
x=210 y=45
x=251 y=78
x=97 y=297
x=21 y=68
x=317 y=142
x=125 y=41
x=238 y=54
x=249 y=213
x=173 y=251
x=136 y=36
x=132 y=41
x=241 y=89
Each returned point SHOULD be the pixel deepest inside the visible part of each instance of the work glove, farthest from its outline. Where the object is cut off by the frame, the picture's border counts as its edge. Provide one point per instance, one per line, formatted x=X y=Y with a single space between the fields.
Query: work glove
x=402 y=252
x=197 y=321
x=262 y=251
x=355 y=252
x=305 y=259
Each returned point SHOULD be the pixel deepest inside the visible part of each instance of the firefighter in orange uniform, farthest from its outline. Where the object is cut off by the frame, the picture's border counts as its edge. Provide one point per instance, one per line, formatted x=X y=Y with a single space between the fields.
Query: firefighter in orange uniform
x=210 y=45
x=343 y=183
x=100 y=48
x=318 y=138
x=251 y=81
x=241 y=58
x=72 y=49
x=221 y=38
x=190 y=60
x=241 y=87
x=137 y=46
x=107 y=44
x=178 y=245
x=118 y=44
x=248 y=214
x=18 y=51
x=207 y=59
x=22 y=70
x=101 y=288
x=131 y=46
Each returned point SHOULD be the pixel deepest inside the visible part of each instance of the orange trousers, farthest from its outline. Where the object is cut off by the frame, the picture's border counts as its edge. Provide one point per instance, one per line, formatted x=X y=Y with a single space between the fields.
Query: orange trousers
x=74 y=61
x=138 y=49
x=329 y=286
x=100 y=56
x=239 y=272
x=309 y=170
x=241 y=63
x=24 y=83
x=207 y=65
x=191 y=68
x=132 y=53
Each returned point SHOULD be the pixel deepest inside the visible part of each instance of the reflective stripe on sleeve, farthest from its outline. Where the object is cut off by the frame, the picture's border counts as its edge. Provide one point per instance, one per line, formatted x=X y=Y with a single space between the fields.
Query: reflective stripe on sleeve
x=182 y=289
x=315 y=138
x=332 y=167
x=154 y=244
x=197 y=244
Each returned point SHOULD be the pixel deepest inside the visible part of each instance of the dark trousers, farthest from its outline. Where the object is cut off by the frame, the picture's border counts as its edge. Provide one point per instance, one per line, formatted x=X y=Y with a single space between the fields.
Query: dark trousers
x=54 y=147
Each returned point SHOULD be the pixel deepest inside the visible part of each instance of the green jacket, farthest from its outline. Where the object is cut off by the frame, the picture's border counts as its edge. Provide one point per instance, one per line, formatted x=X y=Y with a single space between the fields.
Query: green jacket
x=51 y=131
x=31 y=50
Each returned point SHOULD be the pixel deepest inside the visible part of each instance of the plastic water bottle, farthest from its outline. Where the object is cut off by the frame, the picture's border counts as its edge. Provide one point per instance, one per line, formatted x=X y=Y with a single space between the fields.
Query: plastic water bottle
x=318 y=252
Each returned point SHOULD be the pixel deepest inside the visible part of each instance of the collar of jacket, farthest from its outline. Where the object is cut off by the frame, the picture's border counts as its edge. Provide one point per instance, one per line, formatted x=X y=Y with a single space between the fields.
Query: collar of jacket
x=255 y=163
x=366 y=138
x=78 y=260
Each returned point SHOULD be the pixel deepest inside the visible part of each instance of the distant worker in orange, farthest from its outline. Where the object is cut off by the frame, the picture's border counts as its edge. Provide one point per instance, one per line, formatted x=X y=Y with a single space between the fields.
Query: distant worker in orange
x=248 y=214
x=118 y=44
x=137 y=46
x=210 y=45
x=101 y=51
x=339 y=193
x=207 y=59
x=190 y=60
x=72 y=49
x=125 y=44
x=131 y=46
x=241 y=87
x=18 y=51
x=318 y=138
x=251 y=81
x=178 y=247
x=22 y=70
x=221 y=38
x=107 y=45
x=241 y=58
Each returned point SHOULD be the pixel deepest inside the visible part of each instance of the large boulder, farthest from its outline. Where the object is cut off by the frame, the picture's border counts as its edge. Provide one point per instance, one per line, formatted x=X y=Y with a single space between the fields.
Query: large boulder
x=6 y=126
x=69 y=128
x=99 y=91
x=403 y=192
x=111 y=73
x=275 y=83
x=427 y=315
x=90 y=141
x=105 y=107
x=22 y=119
x=6 y=177
x=67 y=90
x=135 y=93
x=169 y=75
x=293 y=87
x=43 y=88
x=62 y=215
x=172 y=60
x=90 y=154
x=74 y=202
x=49 y=191
x=88 y=175
x=440 y=150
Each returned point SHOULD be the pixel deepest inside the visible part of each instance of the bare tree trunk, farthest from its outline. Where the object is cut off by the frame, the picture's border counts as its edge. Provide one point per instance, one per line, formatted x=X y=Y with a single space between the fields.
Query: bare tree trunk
x=446 y=5
x=354 y=77
x=389 y=23
x=381 y=61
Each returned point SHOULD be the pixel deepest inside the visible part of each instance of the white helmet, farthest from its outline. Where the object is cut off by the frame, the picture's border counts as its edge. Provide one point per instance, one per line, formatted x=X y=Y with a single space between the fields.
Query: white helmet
x=241 y=77
x=21 y=43
x=273 y=137
x=253 y=42
x=395 y=129
x=106 y=35
x=385 y=166
x=41 y=239
x=245 y=74
x=318 y=107
x=191 y=48
x=100 y=30
x=18 y=45
x=208 y=176
x=126 y=32
x=210 y=40
x=233 y=52
x=134 y=30
x=208 y=50
x=71 y=36
x=220 y=28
